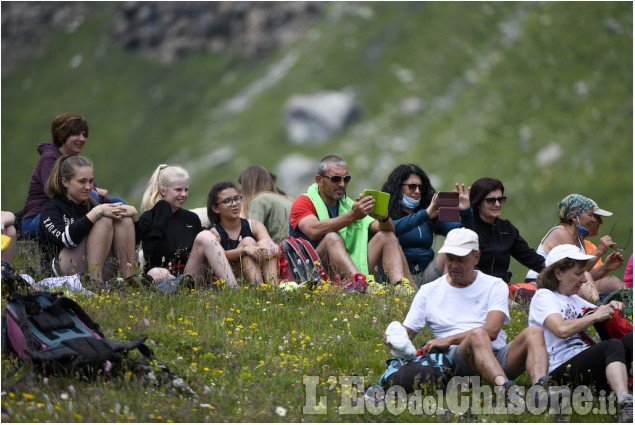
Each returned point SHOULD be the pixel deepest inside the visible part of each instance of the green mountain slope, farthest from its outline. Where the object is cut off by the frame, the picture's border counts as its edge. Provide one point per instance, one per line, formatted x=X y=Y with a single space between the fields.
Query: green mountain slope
x=536 y=94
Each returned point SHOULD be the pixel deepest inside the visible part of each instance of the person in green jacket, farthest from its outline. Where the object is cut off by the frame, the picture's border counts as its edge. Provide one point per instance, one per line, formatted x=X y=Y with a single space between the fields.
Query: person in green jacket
x=349 y=238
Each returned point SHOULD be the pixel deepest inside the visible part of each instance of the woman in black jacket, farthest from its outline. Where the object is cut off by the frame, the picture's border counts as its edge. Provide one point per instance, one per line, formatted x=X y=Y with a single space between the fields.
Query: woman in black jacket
x=173 y=240
x=80 y=237
x=498 y=239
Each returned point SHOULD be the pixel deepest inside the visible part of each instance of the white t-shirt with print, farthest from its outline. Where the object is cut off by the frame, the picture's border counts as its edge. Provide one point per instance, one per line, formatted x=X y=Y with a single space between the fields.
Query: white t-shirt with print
x=448 y=310
x=545 y=303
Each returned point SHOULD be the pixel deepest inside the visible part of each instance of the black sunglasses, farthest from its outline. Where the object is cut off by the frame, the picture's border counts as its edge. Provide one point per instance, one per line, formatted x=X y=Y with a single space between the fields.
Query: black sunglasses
x=229 y=201
x=413 y=186
x=492 y=201
x=337 y=179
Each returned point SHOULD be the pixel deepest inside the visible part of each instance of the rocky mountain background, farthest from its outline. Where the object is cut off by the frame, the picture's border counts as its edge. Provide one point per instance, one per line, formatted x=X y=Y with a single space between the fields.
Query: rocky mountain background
x=162 y=31
x=538 y=94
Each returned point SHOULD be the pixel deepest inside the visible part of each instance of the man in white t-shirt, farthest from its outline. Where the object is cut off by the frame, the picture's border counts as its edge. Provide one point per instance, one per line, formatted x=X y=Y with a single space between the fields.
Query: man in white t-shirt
x=466 y=309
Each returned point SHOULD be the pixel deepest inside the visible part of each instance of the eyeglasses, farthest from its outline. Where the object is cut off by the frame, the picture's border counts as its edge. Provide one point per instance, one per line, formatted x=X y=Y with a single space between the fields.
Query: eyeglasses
x=622 y=248
x=413 y=186
x=230 y=201
x=630 y=235
x=337 y=179
x=492 y=201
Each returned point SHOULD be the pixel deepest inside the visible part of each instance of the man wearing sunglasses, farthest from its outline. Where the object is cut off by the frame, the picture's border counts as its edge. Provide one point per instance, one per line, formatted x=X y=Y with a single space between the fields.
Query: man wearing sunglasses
x=339 y=228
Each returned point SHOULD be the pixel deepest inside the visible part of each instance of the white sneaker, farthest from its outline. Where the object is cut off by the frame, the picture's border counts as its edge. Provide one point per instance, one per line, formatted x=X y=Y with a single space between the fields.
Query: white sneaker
x=397 y=336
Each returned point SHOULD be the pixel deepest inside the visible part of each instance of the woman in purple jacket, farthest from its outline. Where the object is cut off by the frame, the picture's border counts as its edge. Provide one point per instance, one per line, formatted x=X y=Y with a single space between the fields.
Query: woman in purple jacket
x=70 y=133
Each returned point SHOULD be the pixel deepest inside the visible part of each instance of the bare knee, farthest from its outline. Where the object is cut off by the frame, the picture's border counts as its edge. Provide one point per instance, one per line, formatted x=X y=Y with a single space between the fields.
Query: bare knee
x=532 y=336
x=123 y=223
x=333 y=244
x=386 y=238
x=205 y=238
x=478 y=337
x=248 y=241
x=9 y=231
x=104 y=223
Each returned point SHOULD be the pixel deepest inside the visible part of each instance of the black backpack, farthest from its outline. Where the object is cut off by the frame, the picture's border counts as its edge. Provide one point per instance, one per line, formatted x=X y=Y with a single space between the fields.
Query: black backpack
x=56 y=335
x=426 y=371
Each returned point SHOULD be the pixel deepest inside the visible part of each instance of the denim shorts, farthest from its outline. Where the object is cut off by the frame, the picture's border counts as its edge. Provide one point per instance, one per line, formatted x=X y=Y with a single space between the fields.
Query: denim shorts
x=30 y=228
x=462 y=369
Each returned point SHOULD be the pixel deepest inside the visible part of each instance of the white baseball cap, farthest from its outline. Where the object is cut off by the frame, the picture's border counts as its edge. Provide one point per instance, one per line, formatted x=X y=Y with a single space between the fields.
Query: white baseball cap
x=599 y=211
x=460 y=242
x=566 y=251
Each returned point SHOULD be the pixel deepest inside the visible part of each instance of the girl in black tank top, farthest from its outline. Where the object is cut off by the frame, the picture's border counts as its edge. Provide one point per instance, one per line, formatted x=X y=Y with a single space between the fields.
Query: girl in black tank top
x=247 y=244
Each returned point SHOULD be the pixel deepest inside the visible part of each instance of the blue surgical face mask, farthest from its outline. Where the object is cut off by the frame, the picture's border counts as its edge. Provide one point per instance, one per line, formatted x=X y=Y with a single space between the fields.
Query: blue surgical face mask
x=583 y=231
x=409 y=202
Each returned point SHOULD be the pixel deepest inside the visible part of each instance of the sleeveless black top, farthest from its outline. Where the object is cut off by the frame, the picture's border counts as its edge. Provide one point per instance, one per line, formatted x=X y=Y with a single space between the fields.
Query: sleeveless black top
x=226 y=242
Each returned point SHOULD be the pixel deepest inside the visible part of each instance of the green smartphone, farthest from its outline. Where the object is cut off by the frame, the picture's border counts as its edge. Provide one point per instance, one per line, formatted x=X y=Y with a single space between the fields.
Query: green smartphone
x=381 y=201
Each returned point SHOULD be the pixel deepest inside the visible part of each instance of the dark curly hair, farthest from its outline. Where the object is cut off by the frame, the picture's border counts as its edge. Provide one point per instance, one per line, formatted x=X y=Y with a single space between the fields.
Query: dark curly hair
x=393 y=187
x=212 y=196
x=481 y=187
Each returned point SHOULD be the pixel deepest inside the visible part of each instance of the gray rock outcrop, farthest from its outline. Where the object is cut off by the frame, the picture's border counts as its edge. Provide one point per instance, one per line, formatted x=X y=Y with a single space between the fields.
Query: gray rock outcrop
x=315 y=118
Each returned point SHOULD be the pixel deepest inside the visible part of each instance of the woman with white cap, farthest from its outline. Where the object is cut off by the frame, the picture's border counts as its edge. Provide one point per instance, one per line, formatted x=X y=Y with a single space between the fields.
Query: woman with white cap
x=557 y=308
x=581 y=217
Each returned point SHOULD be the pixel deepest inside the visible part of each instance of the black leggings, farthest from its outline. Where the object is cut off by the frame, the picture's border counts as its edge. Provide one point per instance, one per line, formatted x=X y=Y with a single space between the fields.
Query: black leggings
x=589 y=366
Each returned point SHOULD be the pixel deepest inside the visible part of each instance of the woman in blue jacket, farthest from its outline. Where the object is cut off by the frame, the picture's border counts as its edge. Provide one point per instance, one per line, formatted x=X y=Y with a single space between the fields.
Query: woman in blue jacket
x=414 y=209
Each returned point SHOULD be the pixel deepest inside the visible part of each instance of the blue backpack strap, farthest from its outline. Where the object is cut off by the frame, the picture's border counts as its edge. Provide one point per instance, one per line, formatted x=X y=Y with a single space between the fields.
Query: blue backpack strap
x=392 y=366
x=22 y=320
x=138 y=344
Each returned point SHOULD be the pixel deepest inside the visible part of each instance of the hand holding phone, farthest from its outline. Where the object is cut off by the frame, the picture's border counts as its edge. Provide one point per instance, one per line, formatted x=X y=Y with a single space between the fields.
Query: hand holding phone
x=381 y=201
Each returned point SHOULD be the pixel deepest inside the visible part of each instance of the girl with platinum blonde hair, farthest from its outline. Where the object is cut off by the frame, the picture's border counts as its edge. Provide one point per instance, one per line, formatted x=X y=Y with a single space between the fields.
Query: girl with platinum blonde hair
x=174 y=242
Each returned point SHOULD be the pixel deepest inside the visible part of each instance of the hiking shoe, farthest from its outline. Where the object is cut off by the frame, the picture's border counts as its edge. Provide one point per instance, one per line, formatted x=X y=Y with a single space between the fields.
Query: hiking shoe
x=625 y=409
x=356 y=283
x=556 y=399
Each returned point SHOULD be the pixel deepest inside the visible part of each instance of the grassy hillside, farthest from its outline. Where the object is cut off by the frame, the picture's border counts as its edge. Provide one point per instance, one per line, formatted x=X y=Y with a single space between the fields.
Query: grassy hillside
x=253 y=355
x=505 y=86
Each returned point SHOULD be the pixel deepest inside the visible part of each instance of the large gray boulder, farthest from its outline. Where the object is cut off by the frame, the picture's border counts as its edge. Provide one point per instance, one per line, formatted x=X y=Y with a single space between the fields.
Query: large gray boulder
x=317 y=117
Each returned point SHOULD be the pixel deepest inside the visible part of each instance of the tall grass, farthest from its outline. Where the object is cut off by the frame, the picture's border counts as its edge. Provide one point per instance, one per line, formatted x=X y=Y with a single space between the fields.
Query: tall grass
x=244 y=352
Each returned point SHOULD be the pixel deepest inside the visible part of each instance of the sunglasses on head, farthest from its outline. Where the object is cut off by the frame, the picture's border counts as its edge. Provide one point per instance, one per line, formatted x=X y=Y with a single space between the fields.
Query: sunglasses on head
x=337 y=179
x=230 y=201
x=492 y=201
x=413 y=186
